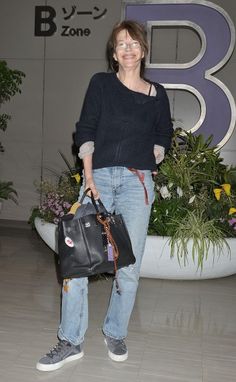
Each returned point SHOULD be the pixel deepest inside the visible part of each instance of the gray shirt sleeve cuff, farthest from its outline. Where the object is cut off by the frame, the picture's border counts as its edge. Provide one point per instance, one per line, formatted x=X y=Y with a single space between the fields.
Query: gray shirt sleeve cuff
x=85 y=149
x=159 y=153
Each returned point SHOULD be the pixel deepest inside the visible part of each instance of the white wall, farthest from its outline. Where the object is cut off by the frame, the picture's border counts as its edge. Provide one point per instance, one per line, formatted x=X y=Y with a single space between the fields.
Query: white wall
x=57 y=73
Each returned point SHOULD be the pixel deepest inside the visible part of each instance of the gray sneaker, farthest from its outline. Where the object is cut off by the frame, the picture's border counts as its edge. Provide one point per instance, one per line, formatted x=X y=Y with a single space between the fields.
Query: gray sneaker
x=62 y=353
x=117 y=349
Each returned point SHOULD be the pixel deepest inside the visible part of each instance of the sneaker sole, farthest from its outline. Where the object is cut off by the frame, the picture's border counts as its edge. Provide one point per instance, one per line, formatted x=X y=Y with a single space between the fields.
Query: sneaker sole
x=116 y=357
x=58 y=365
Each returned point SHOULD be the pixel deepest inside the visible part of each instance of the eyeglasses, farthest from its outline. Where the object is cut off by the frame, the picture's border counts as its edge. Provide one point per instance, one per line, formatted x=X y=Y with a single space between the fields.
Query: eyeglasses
x=125 y=45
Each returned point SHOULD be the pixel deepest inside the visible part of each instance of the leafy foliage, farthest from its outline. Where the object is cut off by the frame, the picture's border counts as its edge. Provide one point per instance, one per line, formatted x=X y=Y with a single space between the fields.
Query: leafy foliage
x=7 y=191
x=56 y=198
x=10 y=81
x=57 y=194
x=187 y=204
x=203 y=233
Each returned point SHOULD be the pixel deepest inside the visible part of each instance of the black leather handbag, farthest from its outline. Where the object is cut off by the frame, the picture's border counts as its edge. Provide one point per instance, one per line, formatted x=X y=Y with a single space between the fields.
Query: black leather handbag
x=92 y=241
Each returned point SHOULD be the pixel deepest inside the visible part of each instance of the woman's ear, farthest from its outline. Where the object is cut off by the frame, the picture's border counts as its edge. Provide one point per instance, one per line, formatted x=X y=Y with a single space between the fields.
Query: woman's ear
x=115 y=56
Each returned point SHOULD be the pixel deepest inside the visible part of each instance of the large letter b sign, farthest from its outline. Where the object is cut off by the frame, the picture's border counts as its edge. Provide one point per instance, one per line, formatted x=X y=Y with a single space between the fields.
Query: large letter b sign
x=217 y=35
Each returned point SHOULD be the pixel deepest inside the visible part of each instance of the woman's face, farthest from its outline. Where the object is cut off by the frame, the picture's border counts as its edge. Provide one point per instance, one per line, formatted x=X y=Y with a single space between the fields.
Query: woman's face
x=128 y=52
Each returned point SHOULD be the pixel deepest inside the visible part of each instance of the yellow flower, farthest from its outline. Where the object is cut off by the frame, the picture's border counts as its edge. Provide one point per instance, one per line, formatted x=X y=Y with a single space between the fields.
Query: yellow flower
x=217 y=192
x=226 y=187
x=74 y=207
x=77 y=177
x=232 y=211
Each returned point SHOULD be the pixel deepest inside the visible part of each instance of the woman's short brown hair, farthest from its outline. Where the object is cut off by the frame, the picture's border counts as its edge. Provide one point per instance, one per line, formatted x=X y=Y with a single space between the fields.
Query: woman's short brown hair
x=137 y=32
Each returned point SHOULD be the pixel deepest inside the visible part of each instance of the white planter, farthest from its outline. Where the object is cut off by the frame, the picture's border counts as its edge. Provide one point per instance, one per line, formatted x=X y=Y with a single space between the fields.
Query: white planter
x=157 y=262
x=48 y=232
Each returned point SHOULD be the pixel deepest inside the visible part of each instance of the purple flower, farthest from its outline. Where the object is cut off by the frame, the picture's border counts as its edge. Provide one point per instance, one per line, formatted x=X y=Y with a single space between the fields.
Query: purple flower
x=66 y=205
x=232 y=222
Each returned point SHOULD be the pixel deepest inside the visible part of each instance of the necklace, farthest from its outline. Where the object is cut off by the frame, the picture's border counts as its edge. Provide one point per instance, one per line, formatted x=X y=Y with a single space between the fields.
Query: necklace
x=143 y=86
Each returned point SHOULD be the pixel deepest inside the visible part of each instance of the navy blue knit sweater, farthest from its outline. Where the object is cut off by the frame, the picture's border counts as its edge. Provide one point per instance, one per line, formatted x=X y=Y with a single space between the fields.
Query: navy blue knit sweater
x=123 y=124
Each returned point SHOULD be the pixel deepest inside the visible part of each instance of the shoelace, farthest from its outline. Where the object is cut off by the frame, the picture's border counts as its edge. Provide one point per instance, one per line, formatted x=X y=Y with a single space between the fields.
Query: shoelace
x=55 y=350
x=121 y=344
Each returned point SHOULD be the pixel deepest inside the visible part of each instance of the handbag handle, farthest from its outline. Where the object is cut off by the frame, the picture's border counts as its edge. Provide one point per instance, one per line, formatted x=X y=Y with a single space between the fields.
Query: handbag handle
x=93 y=201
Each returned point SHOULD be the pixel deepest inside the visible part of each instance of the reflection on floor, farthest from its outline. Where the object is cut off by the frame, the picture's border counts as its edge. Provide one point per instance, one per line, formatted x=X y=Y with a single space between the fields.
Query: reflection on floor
x=180 y=331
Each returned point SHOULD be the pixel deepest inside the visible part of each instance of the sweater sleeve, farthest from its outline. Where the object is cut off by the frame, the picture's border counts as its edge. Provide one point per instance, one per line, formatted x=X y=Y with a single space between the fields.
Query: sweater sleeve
x=164 y=126
x=87 y=124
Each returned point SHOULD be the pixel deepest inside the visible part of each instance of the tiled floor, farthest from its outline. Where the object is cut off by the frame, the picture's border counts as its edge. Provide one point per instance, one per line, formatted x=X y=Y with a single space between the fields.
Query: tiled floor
x=179 y=332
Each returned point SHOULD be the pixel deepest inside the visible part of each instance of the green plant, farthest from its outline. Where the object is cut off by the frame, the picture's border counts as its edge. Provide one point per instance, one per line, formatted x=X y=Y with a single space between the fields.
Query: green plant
x=195 y=197
x=203 y=233
x=10 y=81
x=7 y=191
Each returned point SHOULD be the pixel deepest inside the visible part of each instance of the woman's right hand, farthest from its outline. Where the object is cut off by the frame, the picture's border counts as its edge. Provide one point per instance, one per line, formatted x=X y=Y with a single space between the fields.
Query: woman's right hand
x=89 y=183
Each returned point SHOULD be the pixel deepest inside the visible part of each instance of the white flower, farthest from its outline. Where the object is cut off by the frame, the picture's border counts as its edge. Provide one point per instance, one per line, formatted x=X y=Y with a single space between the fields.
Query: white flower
x=157 y=187
x=165 y=192
x=179 y=191
x=192 y=199
x=204 y=160
x=170 y=184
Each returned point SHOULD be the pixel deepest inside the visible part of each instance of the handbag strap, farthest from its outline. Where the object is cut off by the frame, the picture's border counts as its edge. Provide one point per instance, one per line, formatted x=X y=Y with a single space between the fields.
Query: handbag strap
x=93 y=201
x=105 y=222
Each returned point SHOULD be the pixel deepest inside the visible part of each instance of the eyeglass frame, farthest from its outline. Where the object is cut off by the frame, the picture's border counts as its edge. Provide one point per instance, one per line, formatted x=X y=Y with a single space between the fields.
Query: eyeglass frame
x=131 y=45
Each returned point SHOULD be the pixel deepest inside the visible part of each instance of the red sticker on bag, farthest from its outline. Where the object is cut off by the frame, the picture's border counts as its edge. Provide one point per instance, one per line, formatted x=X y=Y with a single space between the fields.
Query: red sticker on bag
x=69 y=242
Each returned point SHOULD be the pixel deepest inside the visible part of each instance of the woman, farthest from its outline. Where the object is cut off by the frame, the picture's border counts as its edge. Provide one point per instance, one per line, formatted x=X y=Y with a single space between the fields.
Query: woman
x=123 y=132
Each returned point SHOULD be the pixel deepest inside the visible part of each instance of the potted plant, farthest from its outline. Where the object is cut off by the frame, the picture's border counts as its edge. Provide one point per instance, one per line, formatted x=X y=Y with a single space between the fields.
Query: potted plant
x=57 y=195
x=194 y=214
x=192 y=230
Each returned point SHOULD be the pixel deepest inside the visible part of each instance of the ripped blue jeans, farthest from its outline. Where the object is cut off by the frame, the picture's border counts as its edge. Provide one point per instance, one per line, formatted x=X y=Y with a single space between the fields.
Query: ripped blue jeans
x=120 y=191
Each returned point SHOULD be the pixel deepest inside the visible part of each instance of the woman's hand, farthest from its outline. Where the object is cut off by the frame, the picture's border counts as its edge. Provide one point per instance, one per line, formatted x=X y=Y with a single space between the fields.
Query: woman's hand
x=89 y=183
